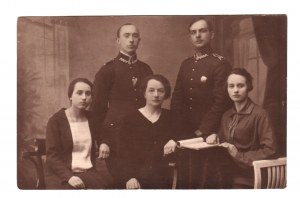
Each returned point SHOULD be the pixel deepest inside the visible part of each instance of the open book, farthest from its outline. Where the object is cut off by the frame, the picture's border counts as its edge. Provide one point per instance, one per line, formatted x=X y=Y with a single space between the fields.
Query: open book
x=195 y=143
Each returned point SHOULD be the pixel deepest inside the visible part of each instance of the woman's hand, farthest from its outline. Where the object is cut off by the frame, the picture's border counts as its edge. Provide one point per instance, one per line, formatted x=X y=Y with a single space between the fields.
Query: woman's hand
x=133 y=184
x=232 y=150
x=76 y=182
x=212 y=139
x=104 y=151
x=170 y=147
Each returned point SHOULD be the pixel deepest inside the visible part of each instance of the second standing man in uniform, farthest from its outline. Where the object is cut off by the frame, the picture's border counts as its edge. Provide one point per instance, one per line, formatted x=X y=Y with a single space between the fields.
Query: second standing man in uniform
x=200 y=97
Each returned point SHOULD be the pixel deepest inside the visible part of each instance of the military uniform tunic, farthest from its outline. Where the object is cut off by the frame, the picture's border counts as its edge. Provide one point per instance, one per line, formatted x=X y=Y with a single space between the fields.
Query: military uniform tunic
x=116 y=93
x=200 y=96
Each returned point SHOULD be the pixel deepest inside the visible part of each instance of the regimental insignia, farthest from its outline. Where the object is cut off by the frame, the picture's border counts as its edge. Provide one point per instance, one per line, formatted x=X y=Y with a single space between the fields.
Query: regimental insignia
x=218 y=56
x=134 y=80
x=129 y=62
x=200 y=57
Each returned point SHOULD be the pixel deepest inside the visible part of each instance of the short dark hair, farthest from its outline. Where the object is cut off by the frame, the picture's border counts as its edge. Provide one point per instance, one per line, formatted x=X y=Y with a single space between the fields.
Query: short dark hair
x=208 y=22
x=73 y=83
x=243 y=72
x=119 y=29
x=159 y=78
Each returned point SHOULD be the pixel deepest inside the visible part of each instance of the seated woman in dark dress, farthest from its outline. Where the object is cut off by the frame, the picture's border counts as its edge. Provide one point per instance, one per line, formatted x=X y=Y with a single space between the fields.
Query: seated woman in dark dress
x=143 y=135
x=245 y=131
x=70 y=143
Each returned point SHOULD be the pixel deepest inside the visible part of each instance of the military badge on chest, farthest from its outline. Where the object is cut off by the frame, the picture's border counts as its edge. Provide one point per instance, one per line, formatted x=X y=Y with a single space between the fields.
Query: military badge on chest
x=203 y=79
x=134 y=80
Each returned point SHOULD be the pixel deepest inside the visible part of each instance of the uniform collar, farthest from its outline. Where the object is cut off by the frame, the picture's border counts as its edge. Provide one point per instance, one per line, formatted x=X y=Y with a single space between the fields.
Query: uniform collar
x=127 y=59
x=247 y=109
x=205 y=51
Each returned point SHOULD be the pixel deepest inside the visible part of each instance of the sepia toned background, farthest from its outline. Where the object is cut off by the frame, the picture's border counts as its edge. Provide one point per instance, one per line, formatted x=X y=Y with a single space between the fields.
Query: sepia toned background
x=51 y=51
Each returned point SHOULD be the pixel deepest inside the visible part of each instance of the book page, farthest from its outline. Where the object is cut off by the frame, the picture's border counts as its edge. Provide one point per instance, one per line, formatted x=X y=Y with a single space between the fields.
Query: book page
x=190 y=141
x=195 y=143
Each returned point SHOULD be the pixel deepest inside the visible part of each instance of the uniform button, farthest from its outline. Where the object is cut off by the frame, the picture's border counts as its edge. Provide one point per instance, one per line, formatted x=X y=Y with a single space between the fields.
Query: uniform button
x=191 y=108
x=193 y=69
x=191 y=88
x=191 y=98
x=111 y=124
x=192 y=79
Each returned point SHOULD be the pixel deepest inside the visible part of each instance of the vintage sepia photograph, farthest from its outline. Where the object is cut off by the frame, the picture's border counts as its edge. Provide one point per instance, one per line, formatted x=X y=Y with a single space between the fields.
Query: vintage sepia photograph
x=152 y=102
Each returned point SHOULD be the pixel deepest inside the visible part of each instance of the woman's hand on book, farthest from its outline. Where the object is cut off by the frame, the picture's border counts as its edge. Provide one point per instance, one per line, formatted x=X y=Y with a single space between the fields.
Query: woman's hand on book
x=212 y=139
x=170 y=147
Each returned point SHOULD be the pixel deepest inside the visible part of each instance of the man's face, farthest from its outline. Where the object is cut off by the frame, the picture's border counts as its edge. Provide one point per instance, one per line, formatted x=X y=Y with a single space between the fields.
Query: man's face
x=200 y=34
x=129 y=38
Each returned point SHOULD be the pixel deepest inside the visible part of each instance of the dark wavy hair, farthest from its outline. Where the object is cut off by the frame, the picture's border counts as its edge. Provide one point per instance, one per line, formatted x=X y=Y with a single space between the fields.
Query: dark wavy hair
x=243 y=72
x=159 y=78
x=76 y=80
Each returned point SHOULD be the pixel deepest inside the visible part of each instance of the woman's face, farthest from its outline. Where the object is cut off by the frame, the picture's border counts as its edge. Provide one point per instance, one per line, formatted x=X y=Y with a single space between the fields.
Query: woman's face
x=155 y=93
x=237 y=88
x=82 y=96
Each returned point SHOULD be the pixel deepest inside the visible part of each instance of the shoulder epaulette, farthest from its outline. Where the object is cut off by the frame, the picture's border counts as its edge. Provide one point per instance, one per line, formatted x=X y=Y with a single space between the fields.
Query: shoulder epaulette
x=108 y=62
x=218 y=56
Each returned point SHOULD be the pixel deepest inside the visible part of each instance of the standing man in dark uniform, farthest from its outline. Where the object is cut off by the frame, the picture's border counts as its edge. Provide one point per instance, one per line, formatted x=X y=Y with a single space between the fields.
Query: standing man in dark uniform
x=116 y=92
x=198 y=102
x=200 y=96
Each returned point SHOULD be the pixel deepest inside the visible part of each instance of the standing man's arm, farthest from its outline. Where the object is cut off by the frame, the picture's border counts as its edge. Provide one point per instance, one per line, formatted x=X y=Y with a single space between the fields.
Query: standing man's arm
x=211 y=120
x=101 y=88
x=177 y=105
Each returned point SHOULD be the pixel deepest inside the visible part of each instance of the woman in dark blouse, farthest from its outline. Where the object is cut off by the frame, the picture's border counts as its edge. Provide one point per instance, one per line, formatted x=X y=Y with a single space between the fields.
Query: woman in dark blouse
x=245 y=131
x=144 y=133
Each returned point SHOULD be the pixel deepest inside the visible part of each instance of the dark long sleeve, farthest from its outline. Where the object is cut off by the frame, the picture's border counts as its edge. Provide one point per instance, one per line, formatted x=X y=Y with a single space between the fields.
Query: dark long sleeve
x=221 y=102
x=102 y=84
x=266 y=146
x=177 y=103
x=99 y=107
x=55 y=152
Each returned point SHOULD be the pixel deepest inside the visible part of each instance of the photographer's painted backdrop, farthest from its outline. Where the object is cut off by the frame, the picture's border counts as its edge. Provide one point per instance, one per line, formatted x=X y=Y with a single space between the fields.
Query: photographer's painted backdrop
x=54 y=50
